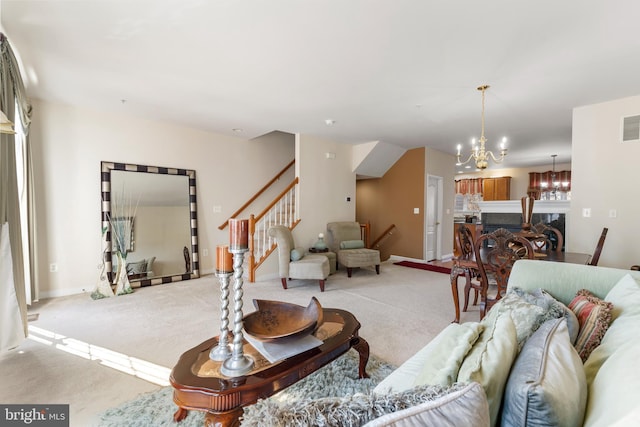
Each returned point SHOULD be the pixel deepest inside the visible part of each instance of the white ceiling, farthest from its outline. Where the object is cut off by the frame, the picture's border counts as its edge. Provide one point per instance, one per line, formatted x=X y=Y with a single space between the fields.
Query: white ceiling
x=403 y=72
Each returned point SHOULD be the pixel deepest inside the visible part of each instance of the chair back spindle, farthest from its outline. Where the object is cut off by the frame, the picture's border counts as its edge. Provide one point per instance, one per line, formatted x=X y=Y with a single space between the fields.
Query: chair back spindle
x=495 y=261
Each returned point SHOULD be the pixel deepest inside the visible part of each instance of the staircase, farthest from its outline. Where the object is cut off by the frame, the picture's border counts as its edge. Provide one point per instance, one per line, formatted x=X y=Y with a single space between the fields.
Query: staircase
x=282 y=211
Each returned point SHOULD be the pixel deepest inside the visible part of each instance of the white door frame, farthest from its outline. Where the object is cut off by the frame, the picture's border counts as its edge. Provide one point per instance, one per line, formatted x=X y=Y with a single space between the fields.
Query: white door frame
x=439 y=185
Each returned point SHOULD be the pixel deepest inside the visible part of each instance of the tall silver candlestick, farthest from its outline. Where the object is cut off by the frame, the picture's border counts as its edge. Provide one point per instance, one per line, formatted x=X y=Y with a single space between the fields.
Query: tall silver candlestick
x=239 y=363
x=222 y=351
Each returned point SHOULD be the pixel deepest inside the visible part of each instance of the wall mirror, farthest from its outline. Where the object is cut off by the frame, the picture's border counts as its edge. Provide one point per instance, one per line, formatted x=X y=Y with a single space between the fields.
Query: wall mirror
x=162 y=214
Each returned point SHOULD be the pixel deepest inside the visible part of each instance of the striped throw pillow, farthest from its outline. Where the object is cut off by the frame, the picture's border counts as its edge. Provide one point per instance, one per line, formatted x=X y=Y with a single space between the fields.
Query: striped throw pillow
x=594 y=317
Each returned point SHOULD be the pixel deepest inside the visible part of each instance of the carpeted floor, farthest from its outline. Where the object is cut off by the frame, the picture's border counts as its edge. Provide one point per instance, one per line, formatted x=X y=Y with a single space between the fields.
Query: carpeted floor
x=337 y=379
x=98 y=354
x=424 y=266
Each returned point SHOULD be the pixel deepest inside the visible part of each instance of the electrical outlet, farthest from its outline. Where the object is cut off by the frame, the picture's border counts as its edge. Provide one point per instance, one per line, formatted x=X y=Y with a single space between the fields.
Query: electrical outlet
x=613 y=213
x=217 y=209
x=205 y=252
x=53 y=268
x=586 y=212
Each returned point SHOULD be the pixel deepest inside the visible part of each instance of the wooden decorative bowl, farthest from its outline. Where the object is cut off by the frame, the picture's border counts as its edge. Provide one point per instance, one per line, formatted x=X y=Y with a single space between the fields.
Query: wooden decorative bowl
x=275 y=320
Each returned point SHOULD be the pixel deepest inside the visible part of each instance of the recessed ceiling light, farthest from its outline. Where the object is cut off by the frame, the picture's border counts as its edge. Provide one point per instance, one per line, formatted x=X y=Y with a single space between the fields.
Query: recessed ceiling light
x=329 y=122
x=237 y=130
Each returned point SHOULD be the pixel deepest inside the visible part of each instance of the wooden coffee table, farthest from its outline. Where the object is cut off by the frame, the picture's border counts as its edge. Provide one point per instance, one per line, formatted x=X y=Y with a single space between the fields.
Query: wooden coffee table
x=199 y=385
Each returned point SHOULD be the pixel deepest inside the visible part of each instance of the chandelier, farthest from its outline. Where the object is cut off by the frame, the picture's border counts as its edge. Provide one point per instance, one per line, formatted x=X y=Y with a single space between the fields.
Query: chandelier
x=556 y=190
x=479 y=153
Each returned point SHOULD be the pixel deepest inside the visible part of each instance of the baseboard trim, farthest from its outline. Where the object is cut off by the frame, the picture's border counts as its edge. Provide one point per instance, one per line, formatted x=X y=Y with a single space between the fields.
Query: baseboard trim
x=397 y=258
x=61 y=293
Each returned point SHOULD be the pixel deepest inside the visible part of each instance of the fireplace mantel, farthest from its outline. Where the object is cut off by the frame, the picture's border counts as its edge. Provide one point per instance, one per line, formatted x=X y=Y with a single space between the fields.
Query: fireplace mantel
x=515 y=206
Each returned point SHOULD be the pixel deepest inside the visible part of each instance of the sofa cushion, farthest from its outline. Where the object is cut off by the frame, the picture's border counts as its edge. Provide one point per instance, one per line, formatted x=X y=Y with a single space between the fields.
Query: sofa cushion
x=297 y=254
x=547 y=381
x=449 y=348
x=352 y=244
x=404 y=377
x=490 y=359
x=456 y=408
x=545 y=299
x=138 y=267
x=625 y=297
x=358 y=409
x=526 y=316
x=614 y=393
x=150 y=262
x=554 y=309
x=594 y=316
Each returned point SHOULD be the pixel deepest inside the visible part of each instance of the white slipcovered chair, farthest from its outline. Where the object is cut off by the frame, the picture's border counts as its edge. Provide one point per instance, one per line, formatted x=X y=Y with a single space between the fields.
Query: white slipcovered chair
x=345 y=239
x=295 y=263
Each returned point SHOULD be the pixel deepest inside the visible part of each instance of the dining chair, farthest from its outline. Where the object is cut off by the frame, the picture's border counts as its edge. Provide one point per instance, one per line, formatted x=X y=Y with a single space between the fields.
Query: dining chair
x=527 y=211
x=464 y=241
x=596 y=253
x=495 y=255
x=552 y=240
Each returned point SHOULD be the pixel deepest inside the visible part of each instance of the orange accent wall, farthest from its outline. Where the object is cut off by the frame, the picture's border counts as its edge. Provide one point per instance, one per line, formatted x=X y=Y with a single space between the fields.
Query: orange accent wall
x=391 y=200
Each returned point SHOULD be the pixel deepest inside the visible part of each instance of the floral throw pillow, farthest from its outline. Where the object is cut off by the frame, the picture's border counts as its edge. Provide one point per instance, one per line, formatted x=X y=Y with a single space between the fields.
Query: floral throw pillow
x=594 y=317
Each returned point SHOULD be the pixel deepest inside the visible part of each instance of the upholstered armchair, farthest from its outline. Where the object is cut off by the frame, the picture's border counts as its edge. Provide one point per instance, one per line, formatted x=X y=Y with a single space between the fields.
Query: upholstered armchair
x=346 y=241
x=295 y=263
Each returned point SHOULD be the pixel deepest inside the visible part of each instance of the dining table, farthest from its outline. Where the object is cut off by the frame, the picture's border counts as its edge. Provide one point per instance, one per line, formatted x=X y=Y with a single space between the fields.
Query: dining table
x=463 y=265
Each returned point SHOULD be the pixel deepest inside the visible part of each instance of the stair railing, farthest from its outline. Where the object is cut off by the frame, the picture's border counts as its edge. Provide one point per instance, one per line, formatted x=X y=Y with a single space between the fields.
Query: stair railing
x=283 y=210
x=255 y=196
x=388 y=232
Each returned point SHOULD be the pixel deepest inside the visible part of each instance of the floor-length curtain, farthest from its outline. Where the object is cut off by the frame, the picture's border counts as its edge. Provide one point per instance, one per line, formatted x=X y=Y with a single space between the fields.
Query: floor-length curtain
x=11 y=326
x=14 y=104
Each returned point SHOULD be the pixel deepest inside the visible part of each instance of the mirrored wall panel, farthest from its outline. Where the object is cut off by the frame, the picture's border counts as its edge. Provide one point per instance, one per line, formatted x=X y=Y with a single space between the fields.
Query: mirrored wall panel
x=157 y=208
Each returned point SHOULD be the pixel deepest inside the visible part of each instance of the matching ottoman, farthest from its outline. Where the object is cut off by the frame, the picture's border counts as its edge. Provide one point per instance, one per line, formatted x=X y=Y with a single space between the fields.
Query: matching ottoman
x=331 y=256
x=311 y=266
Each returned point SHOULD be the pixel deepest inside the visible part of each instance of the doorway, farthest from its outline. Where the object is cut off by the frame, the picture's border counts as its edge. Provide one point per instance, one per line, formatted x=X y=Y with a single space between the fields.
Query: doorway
x=433 y=218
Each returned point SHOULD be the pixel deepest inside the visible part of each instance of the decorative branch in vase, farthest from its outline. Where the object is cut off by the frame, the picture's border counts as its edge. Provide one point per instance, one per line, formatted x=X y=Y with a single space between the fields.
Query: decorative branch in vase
x=103 y=287
x=121 y=218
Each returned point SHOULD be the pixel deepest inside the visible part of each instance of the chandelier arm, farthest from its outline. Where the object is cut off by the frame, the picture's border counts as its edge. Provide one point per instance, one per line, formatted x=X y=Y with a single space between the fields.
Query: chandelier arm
x=502 y=155
x=471 y=156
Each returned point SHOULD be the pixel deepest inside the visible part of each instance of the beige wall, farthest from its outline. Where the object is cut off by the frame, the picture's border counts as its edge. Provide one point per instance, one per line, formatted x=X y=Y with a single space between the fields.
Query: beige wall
x=325 y=185
x=604 y=178
x=390 y=200
x=442 y=165
x=70 y=142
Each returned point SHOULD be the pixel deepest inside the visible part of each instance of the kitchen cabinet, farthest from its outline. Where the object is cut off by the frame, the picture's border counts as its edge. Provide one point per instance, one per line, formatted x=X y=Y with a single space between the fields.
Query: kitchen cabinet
x=496 y=188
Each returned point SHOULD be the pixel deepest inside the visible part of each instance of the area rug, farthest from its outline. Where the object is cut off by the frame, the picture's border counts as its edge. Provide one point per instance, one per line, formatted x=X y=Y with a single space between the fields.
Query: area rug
x=424 y=266
x=339 y=378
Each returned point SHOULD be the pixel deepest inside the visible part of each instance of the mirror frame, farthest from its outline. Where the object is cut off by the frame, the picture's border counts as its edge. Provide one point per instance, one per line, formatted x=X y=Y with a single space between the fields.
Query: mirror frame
x=105 y=191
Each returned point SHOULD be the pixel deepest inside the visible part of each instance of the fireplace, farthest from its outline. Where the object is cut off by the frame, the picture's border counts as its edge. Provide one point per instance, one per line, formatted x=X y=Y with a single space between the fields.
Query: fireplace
x=491 y=221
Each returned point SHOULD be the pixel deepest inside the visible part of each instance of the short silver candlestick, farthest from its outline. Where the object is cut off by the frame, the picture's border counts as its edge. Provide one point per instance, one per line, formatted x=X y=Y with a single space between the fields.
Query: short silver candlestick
x=239 y=363
x=222 y=351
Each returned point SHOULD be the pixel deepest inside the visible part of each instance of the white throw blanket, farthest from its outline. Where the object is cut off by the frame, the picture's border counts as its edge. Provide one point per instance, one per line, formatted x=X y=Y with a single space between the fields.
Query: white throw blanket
x=11 y=330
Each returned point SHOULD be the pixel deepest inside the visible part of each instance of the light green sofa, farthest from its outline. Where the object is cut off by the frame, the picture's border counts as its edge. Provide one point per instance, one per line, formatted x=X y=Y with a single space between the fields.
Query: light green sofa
x=607 y=386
